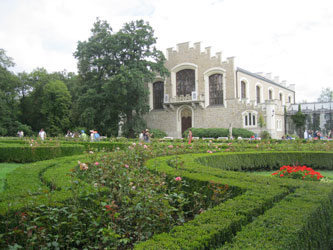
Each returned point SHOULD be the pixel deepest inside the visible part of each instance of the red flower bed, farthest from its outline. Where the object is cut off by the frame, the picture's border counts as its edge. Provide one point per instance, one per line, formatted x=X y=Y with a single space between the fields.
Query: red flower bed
x=298 y=172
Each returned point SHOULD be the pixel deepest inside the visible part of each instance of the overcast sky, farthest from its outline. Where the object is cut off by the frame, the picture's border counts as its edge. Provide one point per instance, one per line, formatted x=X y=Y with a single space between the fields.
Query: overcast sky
x=292 y=39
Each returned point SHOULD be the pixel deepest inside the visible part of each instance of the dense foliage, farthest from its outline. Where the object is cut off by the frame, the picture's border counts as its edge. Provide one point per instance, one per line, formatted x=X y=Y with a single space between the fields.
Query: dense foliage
x=220 y=132
x=114 y=68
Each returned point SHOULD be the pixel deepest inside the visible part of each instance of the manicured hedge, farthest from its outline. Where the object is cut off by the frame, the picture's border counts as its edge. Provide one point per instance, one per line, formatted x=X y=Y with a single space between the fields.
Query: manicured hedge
x=21 y=154
x=252 y=161
x=45 y=182
x=220 y=132
x=270 y=213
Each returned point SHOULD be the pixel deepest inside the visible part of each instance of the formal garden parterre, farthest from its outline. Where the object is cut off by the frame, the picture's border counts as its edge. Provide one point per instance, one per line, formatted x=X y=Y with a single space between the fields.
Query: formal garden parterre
x=164 y=195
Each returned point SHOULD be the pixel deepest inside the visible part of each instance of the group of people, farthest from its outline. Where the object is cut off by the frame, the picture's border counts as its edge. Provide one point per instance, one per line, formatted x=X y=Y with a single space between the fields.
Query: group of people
x=20 y=133
x=94 y=136
x=145 y=136
x=309 y=134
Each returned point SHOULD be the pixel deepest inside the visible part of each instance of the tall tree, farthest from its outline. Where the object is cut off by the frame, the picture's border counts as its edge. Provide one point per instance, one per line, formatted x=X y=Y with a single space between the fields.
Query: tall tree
x=8 y=96
x=114 y=69
x=299 y=120
x=56 y=102
x=326 y=95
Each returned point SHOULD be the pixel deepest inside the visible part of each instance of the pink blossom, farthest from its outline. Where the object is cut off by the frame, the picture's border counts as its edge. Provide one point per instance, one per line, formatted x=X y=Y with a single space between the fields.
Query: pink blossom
x=209 y=151
x=96 y=163
x=145 y=146
x=229 y=143
x=170 y=146
x=133 y=144
x=178 y=178
x=190 y=147
x=126 y=166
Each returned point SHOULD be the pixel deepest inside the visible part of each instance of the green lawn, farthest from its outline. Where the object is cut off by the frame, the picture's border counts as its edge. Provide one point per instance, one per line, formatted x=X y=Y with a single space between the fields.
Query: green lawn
x=5 y=168
x=325 y=173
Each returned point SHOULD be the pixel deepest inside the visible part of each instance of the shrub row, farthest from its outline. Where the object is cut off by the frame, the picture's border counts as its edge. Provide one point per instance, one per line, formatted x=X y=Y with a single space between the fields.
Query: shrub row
x=262 y=208
x=253 y=161
x=21 y=154
x=220 y=132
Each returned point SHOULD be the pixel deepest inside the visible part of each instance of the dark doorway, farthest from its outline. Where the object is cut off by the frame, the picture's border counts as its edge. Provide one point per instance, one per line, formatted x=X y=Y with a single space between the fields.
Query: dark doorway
x=186 y=115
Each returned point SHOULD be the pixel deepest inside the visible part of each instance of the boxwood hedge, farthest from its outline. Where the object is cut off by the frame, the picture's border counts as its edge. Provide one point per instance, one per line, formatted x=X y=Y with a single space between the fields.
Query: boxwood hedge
x=270 y=213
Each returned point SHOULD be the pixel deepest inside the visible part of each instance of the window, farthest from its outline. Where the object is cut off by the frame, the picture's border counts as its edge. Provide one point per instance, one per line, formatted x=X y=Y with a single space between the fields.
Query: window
x=289 y=99
x=250 y=119
x=270 y=94
x=243 y=90
x=185 y=82
x=258 y=94
x=158 y=92
x=281 y=96
x=216 y=89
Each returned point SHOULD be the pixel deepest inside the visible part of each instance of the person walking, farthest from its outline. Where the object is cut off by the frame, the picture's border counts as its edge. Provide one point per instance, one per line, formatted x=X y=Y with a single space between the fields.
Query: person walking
x=84 y=136
x=141 y=136
x=42 y=134
x=189 y=136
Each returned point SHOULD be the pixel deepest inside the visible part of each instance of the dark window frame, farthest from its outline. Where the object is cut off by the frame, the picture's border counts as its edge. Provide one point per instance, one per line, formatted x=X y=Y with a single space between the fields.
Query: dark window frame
x=158 y=95
x=243 y=89
x=185 y=82
x=216 y=89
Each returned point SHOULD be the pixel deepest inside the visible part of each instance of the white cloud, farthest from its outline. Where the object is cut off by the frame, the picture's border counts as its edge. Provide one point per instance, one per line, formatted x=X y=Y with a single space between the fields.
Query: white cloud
x=291 y=39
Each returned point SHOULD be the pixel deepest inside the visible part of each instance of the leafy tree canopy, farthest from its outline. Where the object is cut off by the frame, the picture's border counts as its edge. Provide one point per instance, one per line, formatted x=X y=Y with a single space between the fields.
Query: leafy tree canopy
x=114 y=68
x=326 y=95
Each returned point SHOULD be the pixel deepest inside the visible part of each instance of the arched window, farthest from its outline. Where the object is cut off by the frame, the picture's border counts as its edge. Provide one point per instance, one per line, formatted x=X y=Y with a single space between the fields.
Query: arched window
x=158 y=92
x=185 y=82
x=289 y=99
x=216 y=89
x=281 y=97
x=250 y=119
x=258 y=93
x=243 y=89
x=270 y=94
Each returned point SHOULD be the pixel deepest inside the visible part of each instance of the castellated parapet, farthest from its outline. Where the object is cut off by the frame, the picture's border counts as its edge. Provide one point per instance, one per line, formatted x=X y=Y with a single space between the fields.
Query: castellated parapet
x=184 y=49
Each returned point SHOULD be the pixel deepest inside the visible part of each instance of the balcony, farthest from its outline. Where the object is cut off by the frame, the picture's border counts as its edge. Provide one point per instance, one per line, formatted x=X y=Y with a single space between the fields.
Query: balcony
x=194 y=100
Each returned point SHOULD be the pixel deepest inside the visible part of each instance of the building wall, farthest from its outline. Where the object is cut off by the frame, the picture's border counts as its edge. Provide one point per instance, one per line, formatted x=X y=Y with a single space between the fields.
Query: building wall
x=218 y=116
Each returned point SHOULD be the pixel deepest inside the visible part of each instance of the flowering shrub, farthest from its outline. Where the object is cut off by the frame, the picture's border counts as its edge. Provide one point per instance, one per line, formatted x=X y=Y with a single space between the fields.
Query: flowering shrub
x=298 y=172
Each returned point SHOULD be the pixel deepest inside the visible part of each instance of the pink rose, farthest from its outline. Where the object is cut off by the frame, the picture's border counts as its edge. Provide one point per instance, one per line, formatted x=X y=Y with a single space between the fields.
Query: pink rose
x=178 y=178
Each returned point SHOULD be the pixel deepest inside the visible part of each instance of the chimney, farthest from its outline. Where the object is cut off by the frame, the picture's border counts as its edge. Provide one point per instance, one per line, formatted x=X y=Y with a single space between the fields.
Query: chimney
x=292 y=87
x=284 y=83
x=276 y=79
x=269 y=76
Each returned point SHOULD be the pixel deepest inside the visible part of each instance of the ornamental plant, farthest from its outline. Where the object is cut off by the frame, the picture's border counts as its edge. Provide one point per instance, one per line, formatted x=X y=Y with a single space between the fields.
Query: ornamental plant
x=298 y=172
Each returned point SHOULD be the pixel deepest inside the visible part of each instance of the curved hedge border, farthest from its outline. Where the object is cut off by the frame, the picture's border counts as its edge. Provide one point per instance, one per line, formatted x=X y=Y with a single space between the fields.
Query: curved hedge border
x=46 y=182
x=271 y=213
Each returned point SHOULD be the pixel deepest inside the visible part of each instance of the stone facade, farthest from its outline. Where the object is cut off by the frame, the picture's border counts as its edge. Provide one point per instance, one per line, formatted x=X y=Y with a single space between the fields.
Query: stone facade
x=243 y=97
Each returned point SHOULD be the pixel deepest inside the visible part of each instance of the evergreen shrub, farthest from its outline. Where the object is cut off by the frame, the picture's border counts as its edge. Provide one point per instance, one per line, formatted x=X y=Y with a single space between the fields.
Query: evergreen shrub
x=219 y=132
x=22 y=153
